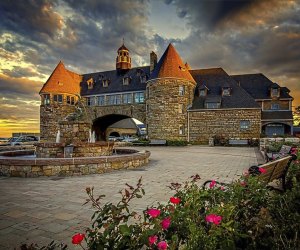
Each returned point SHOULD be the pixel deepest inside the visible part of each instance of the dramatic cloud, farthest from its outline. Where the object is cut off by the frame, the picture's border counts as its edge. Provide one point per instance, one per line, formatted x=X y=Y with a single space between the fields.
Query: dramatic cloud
x=247 y=36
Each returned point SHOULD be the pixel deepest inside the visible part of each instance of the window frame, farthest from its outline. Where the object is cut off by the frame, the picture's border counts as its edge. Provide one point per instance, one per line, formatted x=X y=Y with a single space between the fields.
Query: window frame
x=245 y=125
x=181 y=90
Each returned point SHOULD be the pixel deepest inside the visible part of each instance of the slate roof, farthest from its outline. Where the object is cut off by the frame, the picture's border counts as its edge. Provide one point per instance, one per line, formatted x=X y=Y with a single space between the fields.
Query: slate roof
x=171 y=65
x=115 y=81
x=258 y=86
x=277 y=115
x=215 y=79
x=62 y=81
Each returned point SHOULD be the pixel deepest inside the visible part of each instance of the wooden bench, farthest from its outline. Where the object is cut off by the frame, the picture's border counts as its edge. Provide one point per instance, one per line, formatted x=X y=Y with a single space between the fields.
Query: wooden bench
x=284 y=151
x=275 y=170
x=158 y=142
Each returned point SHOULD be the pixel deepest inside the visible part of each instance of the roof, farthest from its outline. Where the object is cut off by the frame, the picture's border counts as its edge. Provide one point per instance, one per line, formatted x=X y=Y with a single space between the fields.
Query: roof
x=215 y=79
x=277 y=115
x=125 y=123
x=115 y=79
x=123 y=47
x=62 y=81
x=171 y=65
x=258 y=86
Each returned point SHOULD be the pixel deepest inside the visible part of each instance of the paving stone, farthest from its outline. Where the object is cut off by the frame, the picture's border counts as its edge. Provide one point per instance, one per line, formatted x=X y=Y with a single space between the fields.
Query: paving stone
x=54 y=209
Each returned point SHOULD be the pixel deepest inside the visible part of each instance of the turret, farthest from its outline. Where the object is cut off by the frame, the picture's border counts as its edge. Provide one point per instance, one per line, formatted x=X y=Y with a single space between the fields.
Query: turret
x=123 y=60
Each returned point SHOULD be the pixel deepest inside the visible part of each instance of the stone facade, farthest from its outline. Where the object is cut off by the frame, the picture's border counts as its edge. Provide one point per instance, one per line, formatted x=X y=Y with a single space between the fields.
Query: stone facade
x=74 y=131
x=226 y=123
x=167 y=101
x=50 y=115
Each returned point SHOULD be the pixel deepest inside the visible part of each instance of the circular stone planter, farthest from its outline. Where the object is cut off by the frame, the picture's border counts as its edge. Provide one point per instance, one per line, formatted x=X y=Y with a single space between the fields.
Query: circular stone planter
x=35 y=167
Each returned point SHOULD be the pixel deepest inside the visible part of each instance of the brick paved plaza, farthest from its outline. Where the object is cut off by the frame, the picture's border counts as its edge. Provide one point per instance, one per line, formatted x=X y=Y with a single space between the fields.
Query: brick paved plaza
x=44 y=209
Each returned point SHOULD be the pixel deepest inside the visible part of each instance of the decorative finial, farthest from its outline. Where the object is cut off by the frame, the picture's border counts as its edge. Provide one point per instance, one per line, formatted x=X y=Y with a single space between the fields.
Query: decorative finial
x=123 y=40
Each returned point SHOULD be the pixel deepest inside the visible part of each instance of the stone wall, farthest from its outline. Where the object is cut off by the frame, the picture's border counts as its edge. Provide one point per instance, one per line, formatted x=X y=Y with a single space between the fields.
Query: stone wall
x=56 y=150
x=205 y=124
x=265 y=142
x=50 y=115
x=74 y=131
x=134 y=110
x=28 y=167
x=167 y=109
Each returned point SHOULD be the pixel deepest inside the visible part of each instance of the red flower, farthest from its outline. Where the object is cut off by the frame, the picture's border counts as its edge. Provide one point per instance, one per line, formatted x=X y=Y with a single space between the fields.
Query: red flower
x=77 y=238
x=262 y=170
x=153 y=212
x=213 y=218
x=162 y=245
x=212 y=184
x=166 y=223
x=175 y=200
x=152 y=239
x=222 y=188
x=243 y=183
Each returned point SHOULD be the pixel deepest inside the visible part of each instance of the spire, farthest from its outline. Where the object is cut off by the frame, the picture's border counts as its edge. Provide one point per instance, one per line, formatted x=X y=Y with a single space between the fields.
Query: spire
x=62 y=81
x=171 y=65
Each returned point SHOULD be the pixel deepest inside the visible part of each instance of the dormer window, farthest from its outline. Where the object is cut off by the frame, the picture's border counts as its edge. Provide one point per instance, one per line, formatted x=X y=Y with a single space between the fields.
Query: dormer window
x=202 y=92
x=90 y=83
x=226 y=91
x=126 y=80
x=100 y=77
x=105 y=83
x=139 y=72
x=143 y=79
x=274 y=92
x=60 y=83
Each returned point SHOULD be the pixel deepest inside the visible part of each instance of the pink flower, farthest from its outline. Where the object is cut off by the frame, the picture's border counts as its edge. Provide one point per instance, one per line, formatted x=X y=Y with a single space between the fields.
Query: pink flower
x=153 y=212
x=77 y=238
x=162 y=245
x=152 y=239
x=175 y=200
x=166 y=223
x=222 y=188
x=246 y=173
x=213 y=218
x=262 y=170
x=212 y=184
x=243 y=183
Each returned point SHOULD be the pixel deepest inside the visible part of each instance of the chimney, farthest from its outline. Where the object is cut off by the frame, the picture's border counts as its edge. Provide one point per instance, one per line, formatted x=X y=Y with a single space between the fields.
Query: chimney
x=153 y=61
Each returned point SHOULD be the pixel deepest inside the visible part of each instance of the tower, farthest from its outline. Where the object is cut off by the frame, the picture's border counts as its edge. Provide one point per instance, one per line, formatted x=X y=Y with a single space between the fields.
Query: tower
x=59 y=95
x=169 y=93
x=123 y=60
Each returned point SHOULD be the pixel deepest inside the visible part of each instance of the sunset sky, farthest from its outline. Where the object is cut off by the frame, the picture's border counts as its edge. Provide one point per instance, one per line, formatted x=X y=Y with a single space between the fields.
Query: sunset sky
x=247 y=36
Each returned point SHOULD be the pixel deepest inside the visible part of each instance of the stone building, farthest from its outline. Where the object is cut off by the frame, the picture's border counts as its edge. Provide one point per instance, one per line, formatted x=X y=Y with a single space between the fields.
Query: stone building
x=174 y=101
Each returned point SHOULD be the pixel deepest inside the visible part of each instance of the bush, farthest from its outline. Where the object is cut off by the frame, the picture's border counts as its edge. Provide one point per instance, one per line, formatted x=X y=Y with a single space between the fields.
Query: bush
x=176 y=143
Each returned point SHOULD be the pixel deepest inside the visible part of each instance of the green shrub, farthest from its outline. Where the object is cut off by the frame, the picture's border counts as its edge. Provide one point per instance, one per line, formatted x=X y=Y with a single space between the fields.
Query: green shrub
x=176 y=143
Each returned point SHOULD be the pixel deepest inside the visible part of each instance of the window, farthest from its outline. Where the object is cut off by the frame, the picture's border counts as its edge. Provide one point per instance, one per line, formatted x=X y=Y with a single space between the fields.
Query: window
x=274 y=92
x=68 y=99
x=111 y=99
x=101 y=100
x=180 y=108
x=139 y=97
x=90 y=83
x=105 y=83
x=181 y=90
x=126 y=81
x=226 y=92
x=46 y=99
x=127 y=98
x=88 y=101
x=143 y=79
x=181 y=130
x=212 y=105
x=275 y=106
x=118 y=99
x=244 y=125
x=202 y=92
x=72 y=100
x=58 y=98
x=60 y=83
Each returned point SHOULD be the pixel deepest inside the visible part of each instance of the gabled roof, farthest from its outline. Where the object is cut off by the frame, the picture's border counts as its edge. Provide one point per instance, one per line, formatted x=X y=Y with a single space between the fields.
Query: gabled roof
x=215 y=79
x=171 y=65
x=115 y=79
x=258 y=86
x=62 y=81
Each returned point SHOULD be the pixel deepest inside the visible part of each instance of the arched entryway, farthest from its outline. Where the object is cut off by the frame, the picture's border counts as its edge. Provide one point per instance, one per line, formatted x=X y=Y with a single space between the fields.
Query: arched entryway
x=276 y=129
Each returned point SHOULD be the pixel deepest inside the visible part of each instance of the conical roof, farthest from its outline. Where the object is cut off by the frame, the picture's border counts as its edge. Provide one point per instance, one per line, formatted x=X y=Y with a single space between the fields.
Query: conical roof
x=62 y=81
x=171 y=65
x=123 y=47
